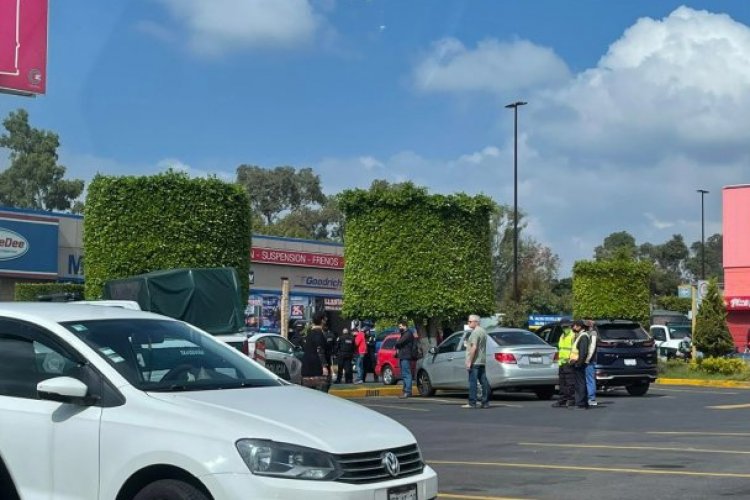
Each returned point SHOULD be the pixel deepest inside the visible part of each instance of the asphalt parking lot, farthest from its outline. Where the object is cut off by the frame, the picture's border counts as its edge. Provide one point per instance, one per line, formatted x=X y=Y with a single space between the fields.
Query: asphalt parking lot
x=675 y=442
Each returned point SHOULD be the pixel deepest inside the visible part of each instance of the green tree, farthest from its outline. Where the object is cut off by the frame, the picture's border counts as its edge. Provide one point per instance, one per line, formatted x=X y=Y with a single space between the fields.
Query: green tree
x=669 y=263
x=34 y=179
x=714 y=258
x=409 y=253
x=282 y=189
x=620 y=245
x=711 y=334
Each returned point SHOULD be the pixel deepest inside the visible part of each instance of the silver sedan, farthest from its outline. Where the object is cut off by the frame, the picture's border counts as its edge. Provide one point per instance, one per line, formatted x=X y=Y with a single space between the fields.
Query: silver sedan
x=517 y=360
x=282 y=357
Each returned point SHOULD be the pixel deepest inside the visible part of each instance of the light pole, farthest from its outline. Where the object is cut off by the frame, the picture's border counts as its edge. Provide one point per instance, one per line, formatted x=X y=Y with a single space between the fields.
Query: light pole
x=514 y=106
x=703 y=192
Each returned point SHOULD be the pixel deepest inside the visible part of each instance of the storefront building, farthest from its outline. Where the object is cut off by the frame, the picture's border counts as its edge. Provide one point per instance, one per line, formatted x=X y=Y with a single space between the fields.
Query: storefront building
x=315 y=271
x=37 y=246
x=736 y=253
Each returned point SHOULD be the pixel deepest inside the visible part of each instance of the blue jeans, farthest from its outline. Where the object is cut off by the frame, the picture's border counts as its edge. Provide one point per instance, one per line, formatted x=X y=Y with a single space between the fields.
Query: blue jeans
x=478 y=372
x=359 y=361
x=591 y=381
x=405 y=366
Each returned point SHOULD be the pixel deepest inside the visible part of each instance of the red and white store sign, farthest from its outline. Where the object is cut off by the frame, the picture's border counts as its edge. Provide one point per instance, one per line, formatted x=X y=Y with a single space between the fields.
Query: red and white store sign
x=737 y=303
x=299 y=259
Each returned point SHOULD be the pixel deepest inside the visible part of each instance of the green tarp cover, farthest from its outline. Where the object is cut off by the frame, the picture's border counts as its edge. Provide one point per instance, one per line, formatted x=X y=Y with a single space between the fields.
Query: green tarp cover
x=206 y=298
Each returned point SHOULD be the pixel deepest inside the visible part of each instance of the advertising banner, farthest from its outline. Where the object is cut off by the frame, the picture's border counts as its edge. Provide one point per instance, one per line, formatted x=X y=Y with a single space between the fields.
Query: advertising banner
x=28 y=246
x=299 y=259
x=23 y=46
x=737 y=303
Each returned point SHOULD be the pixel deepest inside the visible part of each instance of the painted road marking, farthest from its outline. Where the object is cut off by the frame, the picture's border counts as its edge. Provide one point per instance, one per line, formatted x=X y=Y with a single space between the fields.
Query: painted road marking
x=617 y=470
x=474 y=497
x=649 y=448
x=729 y=407
x=397 y=407
x=700 y=433
x=728 y=393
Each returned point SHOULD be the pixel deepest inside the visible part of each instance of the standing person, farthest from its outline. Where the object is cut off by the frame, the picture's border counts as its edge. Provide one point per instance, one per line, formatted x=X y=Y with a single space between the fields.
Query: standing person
x=566 y=374
x=345 y=355
x=578 y=353
x=405 y=349
x=360 y=351
x=370 y=359
x=316 y=367
x=476 y=358
x=591 y=364
x=295 y=336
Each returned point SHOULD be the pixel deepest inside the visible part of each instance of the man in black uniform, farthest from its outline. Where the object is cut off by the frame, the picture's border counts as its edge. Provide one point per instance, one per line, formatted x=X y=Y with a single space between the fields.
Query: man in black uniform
x=345 y=355
x=578 y=359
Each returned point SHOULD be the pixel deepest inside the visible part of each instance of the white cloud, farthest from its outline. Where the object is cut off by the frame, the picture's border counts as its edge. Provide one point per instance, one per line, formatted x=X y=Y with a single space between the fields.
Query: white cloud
x=493 y=66
x=179 y=165
x=217 y=26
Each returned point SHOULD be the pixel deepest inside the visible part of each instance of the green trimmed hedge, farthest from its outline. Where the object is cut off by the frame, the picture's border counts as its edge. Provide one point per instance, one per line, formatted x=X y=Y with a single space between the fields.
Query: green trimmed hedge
x=135 y=225
x=26 y=292
x=611 y=289
x=411 y=254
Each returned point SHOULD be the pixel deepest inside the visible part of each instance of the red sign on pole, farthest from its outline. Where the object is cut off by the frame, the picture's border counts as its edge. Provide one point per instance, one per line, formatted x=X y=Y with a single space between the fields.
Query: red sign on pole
x=300 y=259
x=23 y=46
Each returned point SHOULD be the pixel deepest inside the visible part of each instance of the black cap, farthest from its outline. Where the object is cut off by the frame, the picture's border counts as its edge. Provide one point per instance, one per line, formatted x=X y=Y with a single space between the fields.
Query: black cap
x=579 y=322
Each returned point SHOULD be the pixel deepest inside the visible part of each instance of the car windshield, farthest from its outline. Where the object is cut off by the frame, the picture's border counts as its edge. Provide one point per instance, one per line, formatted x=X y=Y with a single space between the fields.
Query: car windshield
x=515 y=337
x=163 y=355
x=679 y=331
x=628 y=331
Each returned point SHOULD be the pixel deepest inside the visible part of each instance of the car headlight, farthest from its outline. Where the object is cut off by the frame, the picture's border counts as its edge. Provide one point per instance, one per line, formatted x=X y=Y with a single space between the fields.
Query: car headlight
x=269 y=458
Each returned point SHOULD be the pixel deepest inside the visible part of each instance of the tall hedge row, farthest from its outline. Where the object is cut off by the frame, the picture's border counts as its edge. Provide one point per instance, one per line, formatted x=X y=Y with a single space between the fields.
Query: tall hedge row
x=611 y=289
x=135 y=225
x=417 y=255
x=31 y=291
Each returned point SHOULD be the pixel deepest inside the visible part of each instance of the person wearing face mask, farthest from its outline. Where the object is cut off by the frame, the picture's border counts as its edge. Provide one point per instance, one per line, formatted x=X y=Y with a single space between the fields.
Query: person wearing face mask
x=405 y=350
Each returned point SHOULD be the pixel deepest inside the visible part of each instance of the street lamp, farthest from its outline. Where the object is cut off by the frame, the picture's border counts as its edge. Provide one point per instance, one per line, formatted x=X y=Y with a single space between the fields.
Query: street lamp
x=515 y=106
x=703 y=192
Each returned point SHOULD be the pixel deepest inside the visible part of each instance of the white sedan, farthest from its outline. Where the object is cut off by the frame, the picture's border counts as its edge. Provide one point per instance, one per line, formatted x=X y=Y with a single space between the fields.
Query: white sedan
x=105 y=402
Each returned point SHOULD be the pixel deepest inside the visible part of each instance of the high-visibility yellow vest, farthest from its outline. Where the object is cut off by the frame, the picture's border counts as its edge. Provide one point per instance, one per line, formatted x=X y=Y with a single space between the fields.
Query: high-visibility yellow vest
x=574 y=354
x=565 y=345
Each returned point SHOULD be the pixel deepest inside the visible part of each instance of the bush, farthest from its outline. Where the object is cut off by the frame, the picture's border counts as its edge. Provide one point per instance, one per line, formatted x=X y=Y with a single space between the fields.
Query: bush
x=612 y=289
x=31 y=291
x=135 y=225
x=720 y=366
x=670 y=365
x=711 y=335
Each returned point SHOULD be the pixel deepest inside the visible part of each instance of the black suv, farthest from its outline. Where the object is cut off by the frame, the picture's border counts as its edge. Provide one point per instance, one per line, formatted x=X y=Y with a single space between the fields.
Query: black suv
x=625 y=353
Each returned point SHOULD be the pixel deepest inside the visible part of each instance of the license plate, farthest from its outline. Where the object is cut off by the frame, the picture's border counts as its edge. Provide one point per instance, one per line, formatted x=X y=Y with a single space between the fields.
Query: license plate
x=407 y=492
x=630 y=362
x=535 y=360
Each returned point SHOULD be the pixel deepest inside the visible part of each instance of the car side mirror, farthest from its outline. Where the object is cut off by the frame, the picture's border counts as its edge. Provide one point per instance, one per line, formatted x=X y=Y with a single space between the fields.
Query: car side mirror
x=65 y=390
x=433 y=350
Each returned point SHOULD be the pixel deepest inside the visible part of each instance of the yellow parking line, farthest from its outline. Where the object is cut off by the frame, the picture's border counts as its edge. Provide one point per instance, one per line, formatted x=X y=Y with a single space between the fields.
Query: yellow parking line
x=397 y=407
x=649 y=448
x=474 y=497
x=729 y=407
x=659 y=472
x=727 y=393
x=700 y=433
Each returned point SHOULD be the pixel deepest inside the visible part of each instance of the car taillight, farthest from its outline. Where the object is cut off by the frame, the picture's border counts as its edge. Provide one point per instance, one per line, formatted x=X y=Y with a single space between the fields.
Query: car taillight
x=505 y=357
x=648 y=343
x=602 y=343
x=245 y=348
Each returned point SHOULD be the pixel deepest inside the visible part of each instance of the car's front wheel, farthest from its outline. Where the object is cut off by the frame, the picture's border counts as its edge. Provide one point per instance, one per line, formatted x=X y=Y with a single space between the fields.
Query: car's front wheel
x=387 y=375
x=170 y=489
x=424 y=384
x=638 y=389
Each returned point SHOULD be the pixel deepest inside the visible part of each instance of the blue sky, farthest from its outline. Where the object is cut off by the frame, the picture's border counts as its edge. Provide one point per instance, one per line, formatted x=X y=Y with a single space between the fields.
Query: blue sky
x=632 y=105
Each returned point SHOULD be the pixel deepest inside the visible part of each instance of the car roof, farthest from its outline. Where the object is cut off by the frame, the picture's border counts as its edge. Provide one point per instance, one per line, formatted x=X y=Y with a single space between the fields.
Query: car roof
x=59 y=312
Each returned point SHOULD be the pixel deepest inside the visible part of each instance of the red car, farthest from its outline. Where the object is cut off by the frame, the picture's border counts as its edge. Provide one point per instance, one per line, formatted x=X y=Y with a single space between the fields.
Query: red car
x=387 y=366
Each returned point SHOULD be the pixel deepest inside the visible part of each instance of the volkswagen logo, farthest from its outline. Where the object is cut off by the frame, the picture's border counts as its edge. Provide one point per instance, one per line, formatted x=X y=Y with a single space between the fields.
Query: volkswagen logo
x=391 y=463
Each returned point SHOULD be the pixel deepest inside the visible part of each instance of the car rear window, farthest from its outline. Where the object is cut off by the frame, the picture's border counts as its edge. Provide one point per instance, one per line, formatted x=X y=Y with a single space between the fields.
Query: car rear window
x=622 y=332
x=516 y=337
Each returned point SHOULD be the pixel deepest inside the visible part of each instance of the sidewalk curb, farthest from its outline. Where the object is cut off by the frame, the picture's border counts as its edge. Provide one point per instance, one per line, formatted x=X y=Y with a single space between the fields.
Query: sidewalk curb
x=367 y=391
x=734 y=384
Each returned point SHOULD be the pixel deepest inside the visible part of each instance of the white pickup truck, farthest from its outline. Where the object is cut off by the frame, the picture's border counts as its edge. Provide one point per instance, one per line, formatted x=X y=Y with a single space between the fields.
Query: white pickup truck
x=672 y=340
